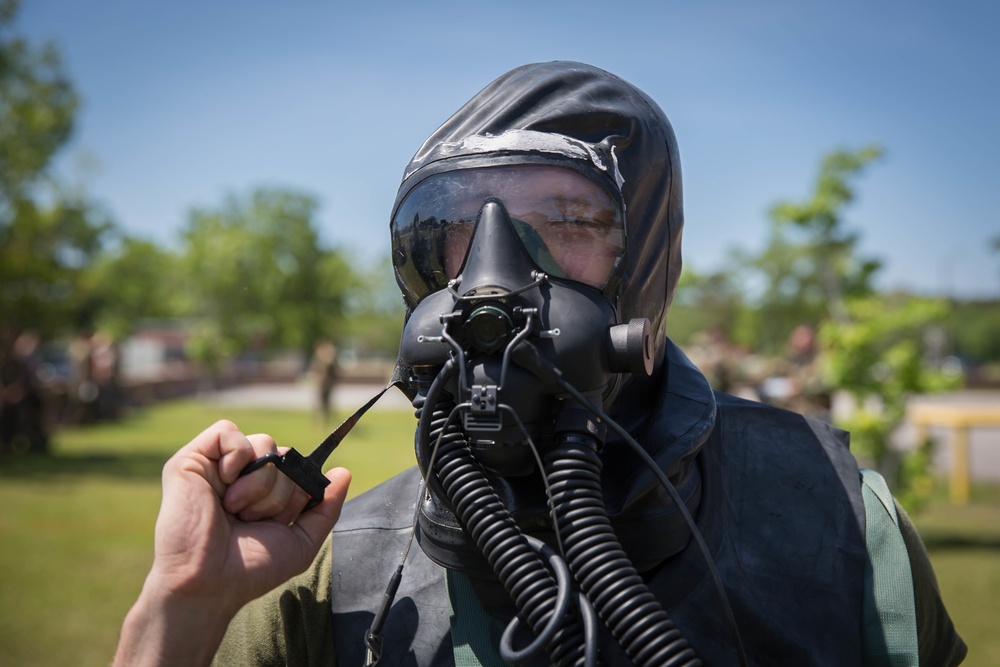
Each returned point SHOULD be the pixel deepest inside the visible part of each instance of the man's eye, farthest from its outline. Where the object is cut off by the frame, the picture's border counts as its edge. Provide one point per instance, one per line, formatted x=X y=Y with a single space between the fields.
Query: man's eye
x=581 y=226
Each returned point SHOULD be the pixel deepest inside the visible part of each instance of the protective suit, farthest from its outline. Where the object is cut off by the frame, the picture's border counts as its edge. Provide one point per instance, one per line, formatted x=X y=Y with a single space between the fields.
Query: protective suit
x=776 y=497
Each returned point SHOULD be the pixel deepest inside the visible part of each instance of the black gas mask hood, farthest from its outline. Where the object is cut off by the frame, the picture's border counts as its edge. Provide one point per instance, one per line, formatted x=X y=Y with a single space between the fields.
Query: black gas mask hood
x=515 y=372
x=565 y=113
x=577 y=116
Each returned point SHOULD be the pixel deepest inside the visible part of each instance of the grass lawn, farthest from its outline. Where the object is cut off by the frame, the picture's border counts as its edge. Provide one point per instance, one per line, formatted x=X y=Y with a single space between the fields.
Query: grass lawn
x=964 y=546
x=76 y=528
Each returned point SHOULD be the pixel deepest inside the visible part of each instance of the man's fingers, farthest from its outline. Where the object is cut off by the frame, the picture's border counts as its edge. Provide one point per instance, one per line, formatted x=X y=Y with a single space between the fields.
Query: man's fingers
x=221 y=452
x=263 y=493
x=240 y=450
x=292 y=547
x=217 y=454
x=202 y=455
x=296 y=503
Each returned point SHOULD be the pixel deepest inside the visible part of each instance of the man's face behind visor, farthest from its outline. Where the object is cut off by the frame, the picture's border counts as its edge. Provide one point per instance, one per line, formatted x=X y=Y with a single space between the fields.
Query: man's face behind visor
x=570 y=226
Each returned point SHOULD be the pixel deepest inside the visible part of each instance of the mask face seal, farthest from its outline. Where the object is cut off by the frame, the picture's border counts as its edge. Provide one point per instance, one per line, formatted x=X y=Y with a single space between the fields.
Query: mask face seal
x=502 y=314
x=508 y=254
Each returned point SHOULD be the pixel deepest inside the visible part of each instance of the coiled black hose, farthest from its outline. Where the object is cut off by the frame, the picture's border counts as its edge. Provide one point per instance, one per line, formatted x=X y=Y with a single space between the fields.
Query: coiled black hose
x=601 y=566
x=521 y=569
x=596 y=558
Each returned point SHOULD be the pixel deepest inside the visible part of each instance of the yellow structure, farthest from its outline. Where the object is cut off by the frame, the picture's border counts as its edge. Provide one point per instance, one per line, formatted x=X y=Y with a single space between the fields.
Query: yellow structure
x=959 y=418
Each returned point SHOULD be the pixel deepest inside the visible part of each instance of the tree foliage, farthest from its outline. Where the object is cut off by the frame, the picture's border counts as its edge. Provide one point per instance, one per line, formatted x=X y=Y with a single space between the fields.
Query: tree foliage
x=375 y=310
x=974 y=329
x=251 y=274
x=257 y=276
x=45 y=251
x=810 y=264
x=871 y=346
x=812 y=272
x=705 y=302
x=133 y=281
x=875 y=354
x=37 y=106
x=48 y=233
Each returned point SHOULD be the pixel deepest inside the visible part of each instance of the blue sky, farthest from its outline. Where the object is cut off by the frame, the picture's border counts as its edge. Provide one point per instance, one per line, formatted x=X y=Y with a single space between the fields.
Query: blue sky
x=186 y=102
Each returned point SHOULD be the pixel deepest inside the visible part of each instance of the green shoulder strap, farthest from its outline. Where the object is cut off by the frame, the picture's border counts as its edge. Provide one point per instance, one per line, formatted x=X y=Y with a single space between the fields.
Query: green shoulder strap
x=475 y=635
x=889 y=636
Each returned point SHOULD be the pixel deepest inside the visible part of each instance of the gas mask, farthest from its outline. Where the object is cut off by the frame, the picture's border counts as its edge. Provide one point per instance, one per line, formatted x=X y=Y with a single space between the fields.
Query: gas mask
x=513 y=348
x=512 y=266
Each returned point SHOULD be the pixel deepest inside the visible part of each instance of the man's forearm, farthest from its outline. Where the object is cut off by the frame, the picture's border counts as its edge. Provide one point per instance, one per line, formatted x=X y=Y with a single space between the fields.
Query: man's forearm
x=171 y=633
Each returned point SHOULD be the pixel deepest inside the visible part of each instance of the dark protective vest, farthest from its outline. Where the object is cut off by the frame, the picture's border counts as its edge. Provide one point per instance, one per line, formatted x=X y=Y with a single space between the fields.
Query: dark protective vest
x=781 y=512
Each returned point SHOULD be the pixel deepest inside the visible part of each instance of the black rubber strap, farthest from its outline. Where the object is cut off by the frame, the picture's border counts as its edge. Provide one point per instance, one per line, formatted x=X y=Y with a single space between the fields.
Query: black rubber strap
x=307 y=471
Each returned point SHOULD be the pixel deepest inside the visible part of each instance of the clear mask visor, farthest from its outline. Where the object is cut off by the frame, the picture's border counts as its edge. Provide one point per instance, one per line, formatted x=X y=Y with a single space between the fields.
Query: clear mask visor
x=571 y=227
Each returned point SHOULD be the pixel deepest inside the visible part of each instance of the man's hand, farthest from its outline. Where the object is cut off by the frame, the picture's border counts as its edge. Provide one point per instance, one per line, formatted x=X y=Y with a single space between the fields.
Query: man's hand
x=221 y=541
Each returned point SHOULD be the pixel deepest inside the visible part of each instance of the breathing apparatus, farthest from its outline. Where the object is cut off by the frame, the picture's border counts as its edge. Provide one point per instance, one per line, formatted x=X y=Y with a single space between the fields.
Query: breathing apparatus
x=513 y=350
x=536 y=241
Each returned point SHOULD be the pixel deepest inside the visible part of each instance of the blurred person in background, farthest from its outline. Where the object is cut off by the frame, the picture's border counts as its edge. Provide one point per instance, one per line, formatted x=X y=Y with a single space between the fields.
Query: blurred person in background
x=795 y=380
x=323 y=371
x=23 y=415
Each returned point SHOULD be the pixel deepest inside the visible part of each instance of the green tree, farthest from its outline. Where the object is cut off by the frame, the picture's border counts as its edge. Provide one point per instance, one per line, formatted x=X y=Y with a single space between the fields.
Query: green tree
x=37 y=106
x=875 y=354
x=782 y=285
x=836 y=267
x=975 y=331
x=374 y=322
x=704 y=302
x=871 y=346
x=810 y=264
x=45 y=251
x=48 y=233
x=133 y=281
x=257 y=275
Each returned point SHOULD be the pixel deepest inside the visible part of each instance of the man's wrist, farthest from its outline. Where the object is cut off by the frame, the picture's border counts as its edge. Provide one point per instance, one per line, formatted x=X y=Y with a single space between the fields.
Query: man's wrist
x=171 y=630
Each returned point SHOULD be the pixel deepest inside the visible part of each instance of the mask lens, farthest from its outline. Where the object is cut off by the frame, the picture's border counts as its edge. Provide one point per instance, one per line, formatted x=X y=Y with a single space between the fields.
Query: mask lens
x=569 y=224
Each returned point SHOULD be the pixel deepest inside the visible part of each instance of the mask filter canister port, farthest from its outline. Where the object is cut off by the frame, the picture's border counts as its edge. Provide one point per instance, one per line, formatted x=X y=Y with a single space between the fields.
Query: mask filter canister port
x=632 y=347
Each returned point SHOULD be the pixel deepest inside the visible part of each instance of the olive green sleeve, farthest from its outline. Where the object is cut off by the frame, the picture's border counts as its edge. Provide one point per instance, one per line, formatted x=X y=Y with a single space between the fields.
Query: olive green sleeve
x=938 y=642
x=291 y=625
